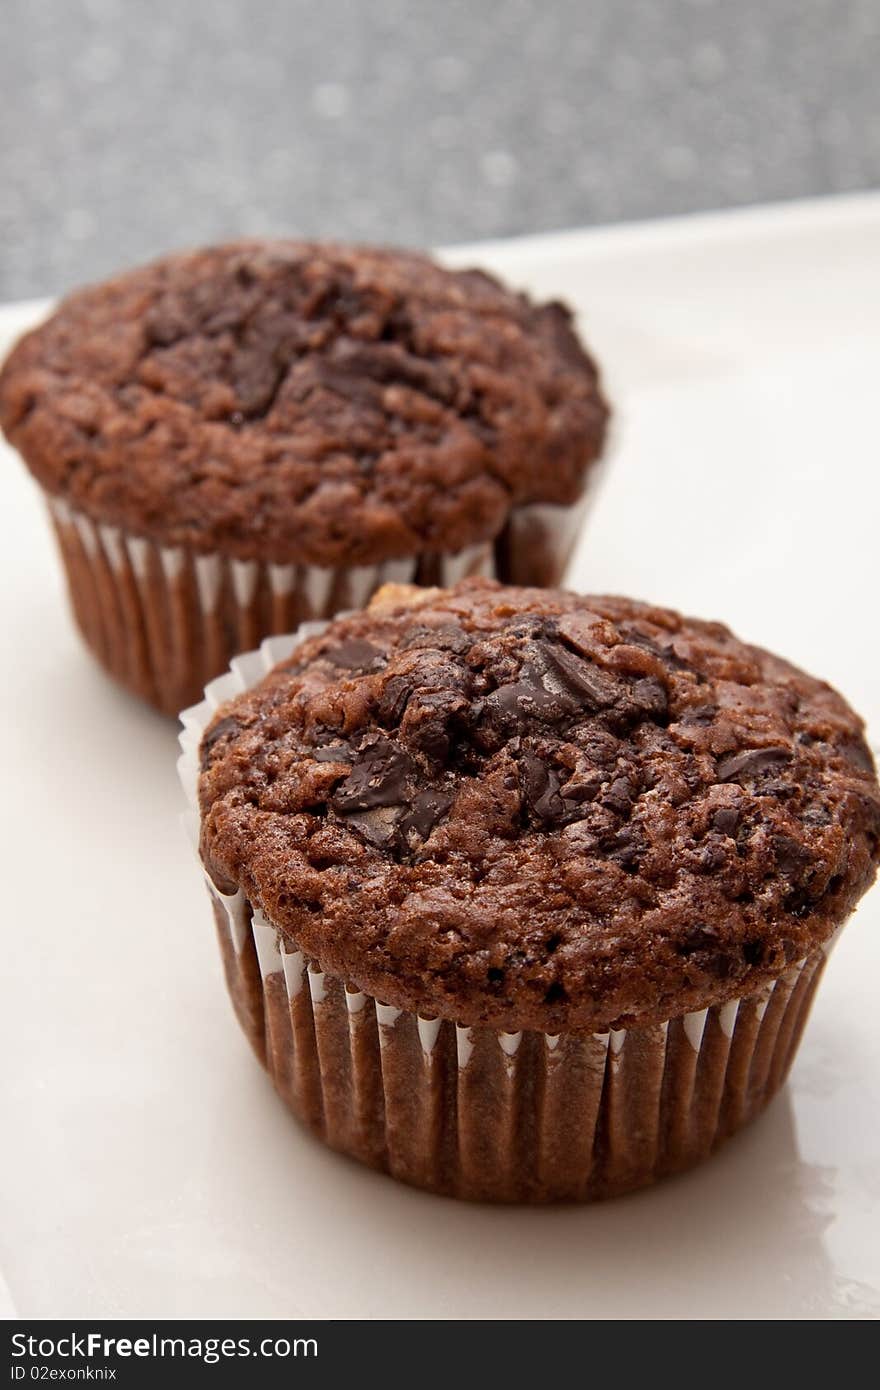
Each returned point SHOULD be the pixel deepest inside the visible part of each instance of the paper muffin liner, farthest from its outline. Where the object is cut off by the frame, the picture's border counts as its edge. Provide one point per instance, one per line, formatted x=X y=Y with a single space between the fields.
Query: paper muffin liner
x=537 y=541
x=164 y=620
x=475 y=1112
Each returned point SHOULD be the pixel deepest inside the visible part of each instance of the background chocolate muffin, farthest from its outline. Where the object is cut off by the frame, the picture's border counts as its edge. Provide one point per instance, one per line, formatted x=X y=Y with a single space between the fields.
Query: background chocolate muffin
x=236 y=439
x=524 y=895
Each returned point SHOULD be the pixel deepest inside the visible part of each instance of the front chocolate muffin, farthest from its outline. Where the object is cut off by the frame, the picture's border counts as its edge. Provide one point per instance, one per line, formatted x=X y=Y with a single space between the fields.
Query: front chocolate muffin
x=237 y=439
x=524 y=895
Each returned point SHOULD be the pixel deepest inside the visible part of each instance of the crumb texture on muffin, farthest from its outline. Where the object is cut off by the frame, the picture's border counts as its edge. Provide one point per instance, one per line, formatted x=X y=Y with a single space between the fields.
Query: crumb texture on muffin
x=295 y=401
x=533 y=809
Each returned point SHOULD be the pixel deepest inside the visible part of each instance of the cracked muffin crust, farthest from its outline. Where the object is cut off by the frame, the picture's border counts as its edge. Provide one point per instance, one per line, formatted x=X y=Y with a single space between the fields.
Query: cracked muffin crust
x=289 y=401
x=531 y=809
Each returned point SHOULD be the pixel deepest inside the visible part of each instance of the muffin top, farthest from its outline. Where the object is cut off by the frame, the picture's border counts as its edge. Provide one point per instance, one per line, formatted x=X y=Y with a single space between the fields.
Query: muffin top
x=303 y=402
x=538 y=810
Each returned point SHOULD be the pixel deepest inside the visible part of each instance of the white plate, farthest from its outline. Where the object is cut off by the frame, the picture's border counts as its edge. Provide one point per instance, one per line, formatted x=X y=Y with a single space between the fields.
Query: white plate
x=147 y=1168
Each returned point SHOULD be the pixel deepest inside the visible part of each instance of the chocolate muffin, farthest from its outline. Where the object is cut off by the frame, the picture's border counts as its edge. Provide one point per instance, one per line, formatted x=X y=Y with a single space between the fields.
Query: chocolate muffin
x=524 y=895
x=237 y=439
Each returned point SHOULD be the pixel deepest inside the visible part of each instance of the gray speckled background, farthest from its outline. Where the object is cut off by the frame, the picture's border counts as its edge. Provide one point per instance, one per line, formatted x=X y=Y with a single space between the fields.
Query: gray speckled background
x=130 y=126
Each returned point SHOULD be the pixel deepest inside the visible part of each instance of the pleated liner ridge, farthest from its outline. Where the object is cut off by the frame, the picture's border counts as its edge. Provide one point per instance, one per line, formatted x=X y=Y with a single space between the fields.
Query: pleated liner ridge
x=506 y=1117
x=164 y=620
x=482 y=1114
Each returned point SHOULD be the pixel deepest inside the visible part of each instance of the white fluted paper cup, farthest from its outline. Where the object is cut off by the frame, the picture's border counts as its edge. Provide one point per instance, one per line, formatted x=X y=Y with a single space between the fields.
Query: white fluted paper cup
x=164 y=620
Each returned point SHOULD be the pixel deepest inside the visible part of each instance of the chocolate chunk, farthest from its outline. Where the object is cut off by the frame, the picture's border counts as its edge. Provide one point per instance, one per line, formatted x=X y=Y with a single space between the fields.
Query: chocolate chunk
x=620 y=796
x=753 y=952
x=388 y=826
x=798 y=902
x=702 y=943
x=393 y=699
x=775 y=786
x=595 y=689
x=378 y=826
x=582 y=785
x=627 y=848
x=431 y=720
x=650 y=698
x=791 y=857
x=726 y=820
x=644 y=699
x=428 y=807
x=378 y=778
x=600 y=747
x=540 y=788
x=334 y=753
x=751 y=762
x=434 y=719
x=354 y=655
x=533 y=698
x=530 y=698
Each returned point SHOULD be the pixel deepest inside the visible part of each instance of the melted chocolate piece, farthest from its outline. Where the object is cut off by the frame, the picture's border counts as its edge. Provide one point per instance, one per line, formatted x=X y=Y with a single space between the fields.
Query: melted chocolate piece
x=528 y=698
x=428 y=807
x=355 y=655
x=594 y=688
x=334 y=753
x=726 y=820
x=540 y=788
x=649 y=698
x=431 y=722
x=752 y=762
x=392 y=701
x=378 y=778
x=620 y=796
x=627 y=848
x=791 y=856
x=379 y=826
